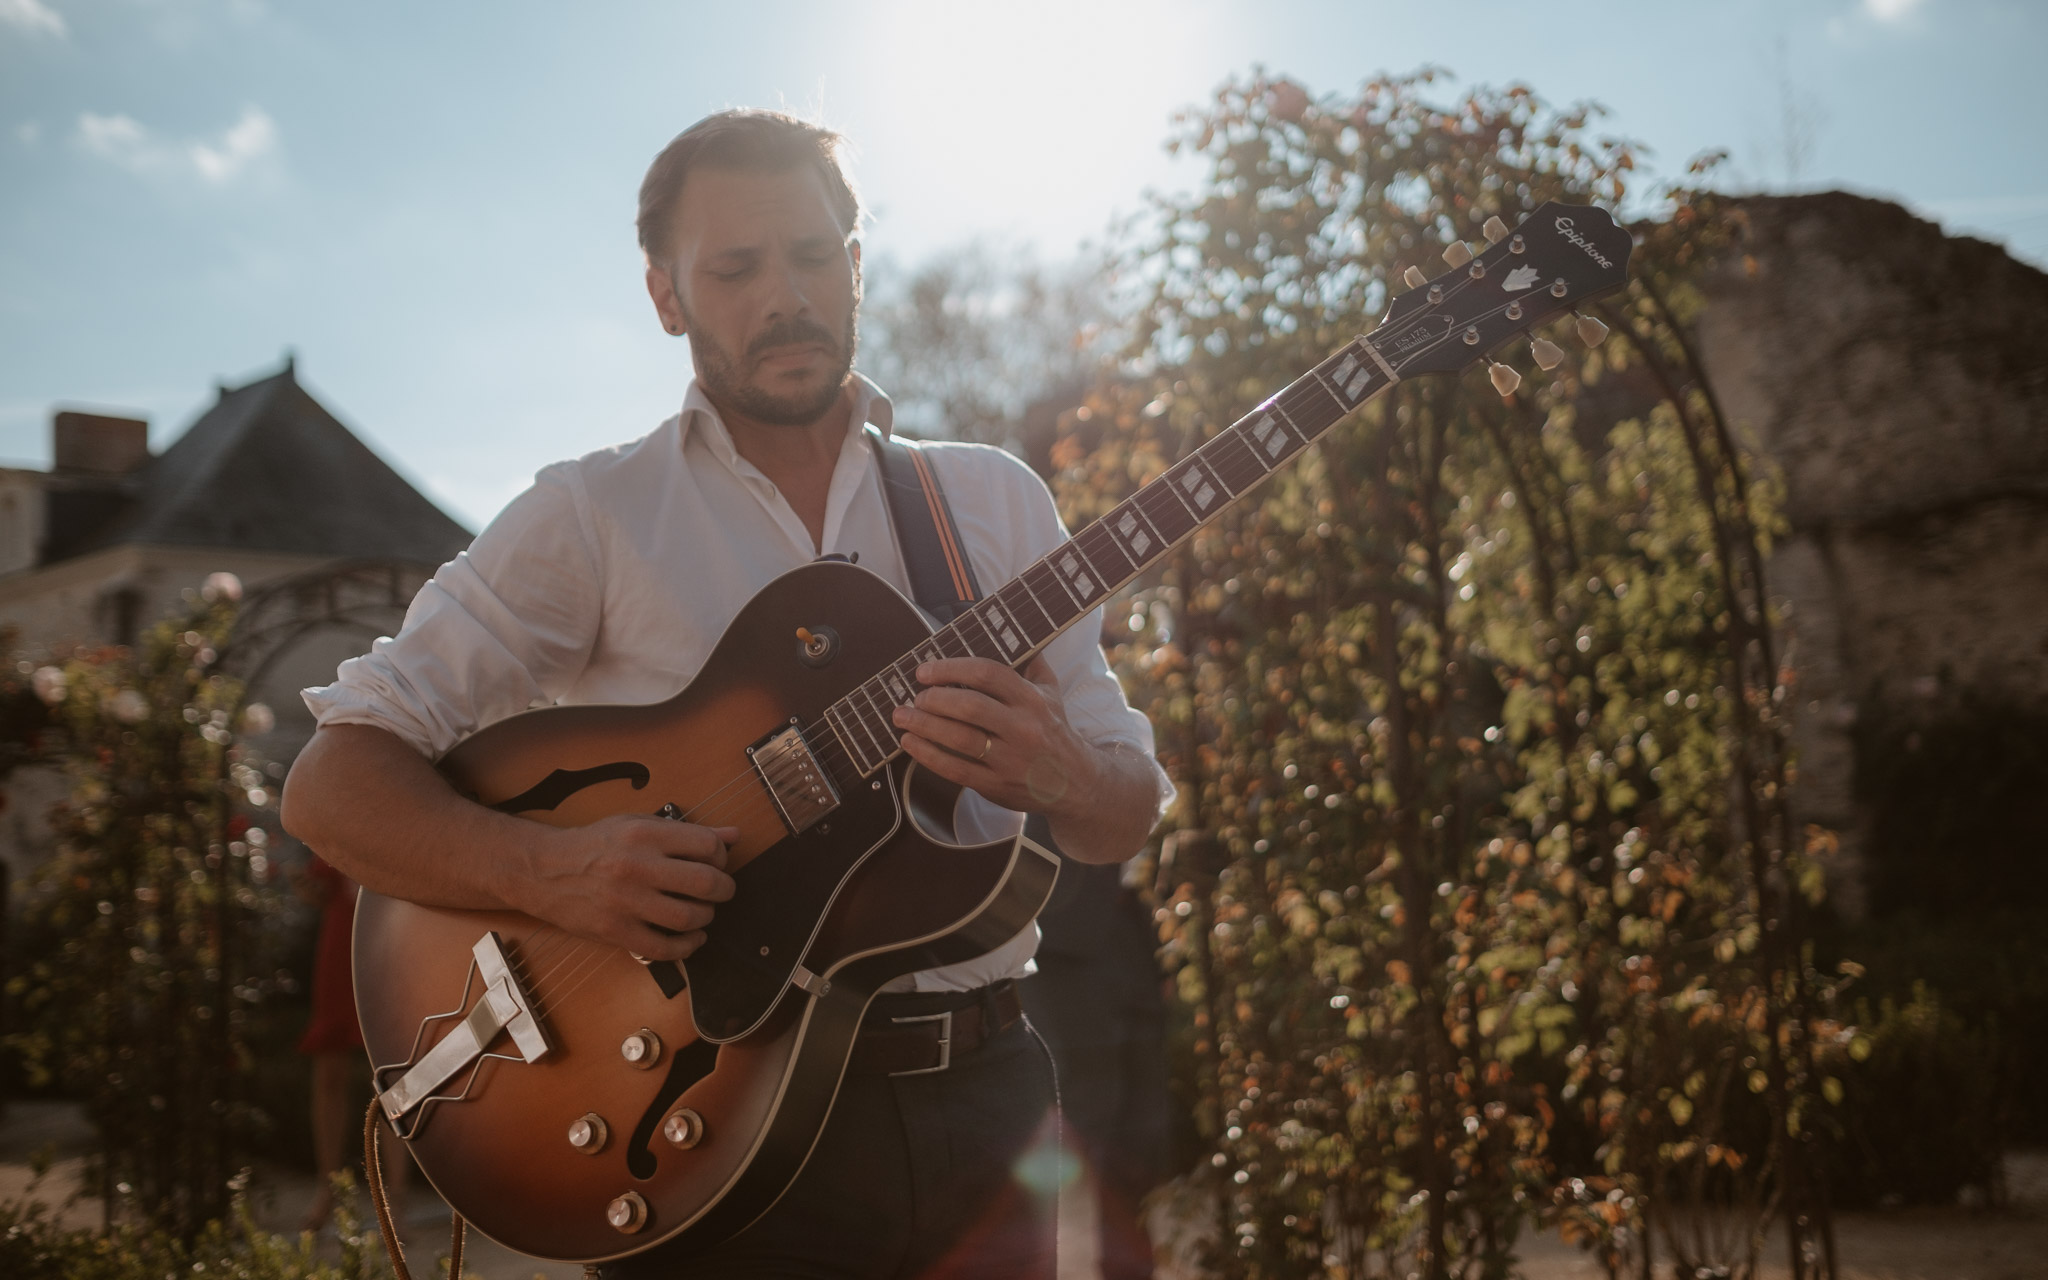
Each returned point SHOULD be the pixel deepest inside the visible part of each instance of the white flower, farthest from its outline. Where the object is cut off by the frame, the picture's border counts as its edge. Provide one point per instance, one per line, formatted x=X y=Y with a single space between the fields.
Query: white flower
x=222 y=586
x=129 y=706
x=49 y=684
x=258 y=719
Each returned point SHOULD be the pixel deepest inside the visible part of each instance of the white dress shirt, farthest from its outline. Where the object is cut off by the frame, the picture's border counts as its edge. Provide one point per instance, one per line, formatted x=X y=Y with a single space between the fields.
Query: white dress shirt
x=612 y=577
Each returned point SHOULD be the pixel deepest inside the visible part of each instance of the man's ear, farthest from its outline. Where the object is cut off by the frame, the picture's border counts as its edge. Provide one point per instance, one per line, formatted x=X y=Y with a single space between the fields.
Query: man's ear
x=661 y=288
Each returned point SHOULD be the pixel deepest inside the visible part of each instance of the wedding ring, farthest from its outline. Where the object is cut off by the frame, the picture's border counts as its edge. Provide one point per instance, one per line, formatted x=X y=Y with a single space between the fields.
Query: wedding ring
x=988 y=740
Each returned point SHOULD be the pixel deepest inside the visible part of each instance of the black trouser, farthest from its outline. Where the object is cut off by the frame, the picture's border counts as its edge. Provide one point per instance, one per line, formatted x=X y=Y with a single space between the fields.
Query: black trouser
x=914 y=1176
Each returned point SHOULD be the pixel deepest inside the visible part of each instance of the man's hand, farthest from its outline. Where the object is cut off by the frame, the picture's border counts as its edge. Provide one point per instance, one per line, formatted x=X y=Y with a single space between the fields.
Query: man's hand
x=642 y=883
x=379 y=812
x=1005 y=735
x=982 y=725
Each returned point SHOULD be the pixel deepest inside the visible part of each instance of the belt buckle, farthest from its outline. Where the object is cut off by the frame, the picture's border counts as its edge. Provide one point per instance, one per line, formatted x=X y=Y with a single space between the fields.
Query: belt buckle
x=945 y=1021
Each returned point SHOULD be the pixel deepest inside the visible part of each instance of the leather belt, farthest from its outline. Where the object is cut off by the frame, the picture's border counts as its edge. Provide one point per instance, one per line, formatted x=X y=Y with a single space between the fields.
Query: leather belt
x=924 y=1043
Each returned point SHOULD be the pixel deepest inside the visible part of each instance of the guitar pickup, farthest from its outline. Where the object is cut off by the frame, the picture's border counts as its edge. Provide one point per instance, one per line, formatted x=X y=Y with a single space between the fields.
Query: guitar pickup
x=503 y=1007
x=802 y=790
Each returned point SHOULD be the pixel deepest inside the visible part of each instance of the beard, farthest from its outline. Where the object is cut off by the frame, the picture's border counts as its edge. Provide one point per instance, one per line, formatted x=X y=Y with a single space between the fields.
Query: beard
x=725 y=381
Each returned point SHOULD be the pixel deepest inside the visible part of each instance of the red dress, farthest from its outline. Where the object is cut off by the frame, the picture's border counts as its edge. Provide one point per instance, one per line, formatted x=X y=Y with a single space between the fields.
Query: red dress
x=333 y=1028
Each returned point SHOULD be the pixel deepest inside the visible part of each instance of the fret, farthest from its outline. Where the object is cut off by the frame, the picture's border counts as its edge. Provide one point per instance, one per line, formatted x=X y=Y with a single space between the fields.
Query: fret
x=1051 y=593
x=1272 y=440
x=901 y=686
x=862 y=744
x=880 y=729
x=995 y=619
x=1197 y=486
x=1304 y=436
x=945 y=633
x=1080 y=578
x=1127 y=525
x=845 y=744
x=1168 y=514
x=1101 y=549
x=1233 y=458
x=989 y=647
x=1016 y=596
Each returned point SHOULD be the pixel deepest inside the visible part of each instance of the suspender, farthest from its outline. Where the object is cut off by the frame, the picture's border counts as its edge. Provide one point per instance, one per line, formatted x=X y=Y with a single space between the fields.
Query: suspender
x=941 y=580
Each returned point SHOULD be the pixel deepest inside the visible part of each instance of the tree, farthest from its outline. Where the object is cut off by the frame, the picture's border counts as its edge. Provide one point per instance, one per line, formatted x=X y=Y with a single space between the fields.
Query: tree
x=967 y=341
x=1477 y=707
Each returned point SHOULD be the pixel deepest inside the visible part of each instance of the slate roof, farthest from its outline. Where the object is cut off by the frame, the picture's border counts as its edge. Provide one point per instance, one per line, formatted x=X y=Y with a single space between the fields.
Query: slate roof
x=268 y=468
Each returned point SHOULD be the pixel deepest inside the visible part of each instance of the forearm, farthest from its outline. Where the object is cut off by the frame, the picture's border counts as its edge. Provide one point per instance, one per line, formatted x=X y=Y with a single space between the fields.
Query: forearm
x=375 y=808
x=1110 y=817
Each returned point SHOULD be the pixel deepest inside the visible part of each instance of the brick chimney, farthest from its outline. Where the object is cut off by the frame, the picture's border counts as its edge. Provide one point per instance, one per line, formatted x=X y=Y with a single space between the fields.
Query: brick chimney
x=98 y=444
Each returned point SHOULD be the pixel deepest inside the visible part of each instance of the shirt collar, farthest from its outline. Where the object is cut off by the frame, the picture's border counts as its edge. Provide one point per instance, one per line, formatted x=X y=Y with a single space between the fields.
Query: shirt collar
x=871 y=405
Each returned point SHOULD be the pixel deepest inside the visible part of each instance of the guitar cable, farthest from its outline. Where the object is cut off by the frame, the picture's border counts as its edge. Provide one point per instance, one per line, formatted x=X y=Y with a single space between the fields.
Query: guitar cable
x=380 y=1200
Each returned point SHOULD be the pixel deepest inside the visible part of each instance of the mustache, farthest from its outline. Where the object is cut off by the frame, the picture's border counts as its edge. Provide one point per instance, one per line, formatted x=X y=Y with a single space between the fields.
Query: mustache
x=792 y=332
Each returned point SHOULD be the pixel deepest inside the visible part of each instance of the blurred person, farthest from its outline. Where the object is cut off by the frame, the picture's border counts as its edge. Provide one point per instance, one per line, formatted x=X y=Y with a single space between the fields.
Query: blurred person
x=611 y=579
x=334 y=1042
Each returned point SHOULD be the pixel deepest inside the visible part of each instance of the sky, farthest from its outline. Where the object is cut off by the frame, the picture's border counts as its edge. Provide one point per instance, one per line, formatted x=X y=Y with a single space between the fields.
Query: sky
x=432 y=204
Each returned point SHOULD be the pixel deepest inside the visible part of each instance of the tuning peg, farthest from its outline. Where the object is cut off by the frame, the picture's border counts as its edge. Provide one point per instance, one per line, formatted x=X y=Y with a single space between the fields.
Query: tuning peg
x=1548 y=354
x=1414 y=278
x=1591 y=331
x=1495 y=230
x=1457 y=255
x=1505 y=380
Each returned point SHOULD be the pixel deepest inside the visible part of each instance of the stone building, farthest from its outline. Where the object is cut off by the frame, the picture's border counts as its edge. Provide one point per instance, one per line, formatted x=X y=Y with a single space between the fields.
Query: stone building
x=328 y=542
x=1894 y=377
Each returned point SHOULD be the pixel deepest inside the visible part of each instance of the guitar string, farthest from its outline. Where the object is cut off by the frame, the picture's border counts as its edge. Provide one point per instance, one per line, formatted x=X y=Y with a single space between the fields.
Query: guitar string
x=831 y=749
x=588 y=956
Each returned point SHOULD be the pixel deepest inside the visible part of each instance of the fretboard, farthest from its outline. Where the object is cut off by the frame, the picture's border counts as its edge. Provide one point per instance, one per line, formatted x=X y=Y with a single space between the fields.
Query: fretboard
x=1015 y=621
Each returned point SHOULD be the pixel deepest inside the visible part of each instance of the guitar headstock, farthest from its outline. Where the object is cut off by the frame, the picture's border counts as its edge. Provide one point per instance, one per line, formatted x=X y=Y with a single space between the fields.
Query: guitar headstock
x=1560 y=256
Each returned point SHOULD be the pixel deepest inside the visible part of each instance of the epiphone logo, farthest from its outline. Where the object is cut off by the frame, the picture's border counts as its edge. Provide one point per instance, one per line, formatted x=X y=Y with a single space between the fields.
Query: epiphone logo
x=1564 y=228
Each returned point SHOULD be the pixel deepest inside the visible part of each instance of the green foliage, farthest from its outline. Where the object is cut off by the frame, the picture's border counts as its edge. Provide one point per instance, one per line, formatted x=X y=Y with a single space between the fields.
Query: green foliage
x=1915 y=1056
x=148 y=943
x=34 y=1247
x=1473 y=713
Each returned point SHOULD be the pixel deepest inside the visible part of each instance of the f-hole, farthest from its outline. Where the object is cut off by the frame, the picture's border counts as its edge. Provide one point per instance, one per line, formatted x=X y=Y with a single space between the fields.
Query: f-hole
x=690 y=1064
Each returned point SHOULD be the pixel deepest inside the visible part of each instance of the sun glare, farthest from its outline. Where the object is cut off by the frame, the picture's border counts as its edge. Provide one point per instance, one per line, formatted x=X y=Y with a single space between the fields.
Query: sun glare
x=1024 y=122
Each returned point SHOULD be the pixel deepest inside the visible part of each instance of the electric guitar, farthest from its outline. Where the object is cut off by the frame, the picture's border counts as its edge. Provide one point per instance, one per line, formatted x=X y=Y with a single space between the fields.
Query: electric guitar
x=577 y=1104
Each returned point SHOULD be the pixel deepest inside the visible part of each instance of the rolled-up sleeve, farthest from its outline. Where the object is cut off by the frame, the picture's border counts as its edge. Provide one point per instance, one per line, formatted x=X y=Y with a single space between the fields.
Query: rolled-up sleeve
x=507 y=625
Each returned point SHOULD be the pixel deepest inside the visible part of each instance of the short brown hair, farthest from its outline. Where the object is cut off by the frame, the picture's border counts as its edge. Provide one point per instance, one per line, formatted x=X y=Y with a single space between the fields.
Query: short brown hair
x=746 y=138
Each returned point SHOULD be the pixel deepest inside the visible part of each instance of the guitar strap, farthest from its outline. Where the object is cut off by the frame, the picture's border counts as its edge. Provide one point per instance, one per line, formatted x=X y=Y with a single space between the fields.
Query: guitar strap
x=941 y=580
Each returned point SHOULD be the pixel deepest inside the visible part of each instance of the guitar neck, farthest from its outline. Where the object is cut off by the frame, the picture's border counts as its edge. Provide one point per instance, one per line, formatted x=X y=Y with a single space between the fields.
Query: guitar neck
x=1018 y=619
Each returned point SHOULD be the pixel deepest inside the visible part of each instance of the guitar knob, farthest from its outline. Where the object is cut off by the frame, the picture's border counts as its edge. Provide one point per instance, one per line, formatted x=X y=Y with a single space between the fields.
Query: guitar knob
x=684 y=1128
x=1548 y=354
x=642 y=1049
x=1495 y=230
x=1414 y=278
x=588 y=1134
x=1505 y=380
x=628 y=1213
x=1591 y=331
x=1457 y=255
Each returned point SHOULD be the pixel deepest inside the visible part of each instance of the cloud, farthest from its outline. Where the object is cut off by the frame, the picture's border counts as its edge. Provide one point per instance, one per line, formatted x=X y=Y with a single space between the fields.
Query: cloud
x=34 y=17
x=122 y=140
x=248 y=139
x=1889 y=10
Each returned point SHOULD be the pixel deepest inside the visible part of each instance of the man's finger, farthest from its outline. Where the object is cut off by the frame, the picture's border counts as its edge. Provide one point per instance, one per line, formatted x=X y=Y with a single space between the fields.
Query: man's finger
x=992 y=678
x=678 y=915
x=691 y=879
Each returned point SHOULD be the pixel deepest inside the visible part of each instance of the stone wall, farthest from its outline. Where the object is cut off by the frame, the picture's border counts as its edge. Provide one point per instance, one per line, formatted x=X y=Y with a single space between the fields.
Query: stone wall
x=1898 y=377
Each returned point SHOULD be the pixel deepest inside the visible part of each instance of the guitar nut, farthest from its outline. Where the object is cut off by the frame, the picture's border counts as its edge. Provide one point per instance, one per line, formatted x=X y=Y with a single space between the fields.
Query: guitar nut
x=589 y=1133
x=628 y=1213
x=642 y=1049
x=684 y=1128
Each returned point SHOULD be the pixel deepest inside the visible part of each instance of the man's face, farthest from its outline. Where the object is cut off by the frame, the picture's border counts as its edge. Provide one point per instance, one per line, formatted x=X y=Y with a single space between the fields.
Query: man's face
x=767 y=285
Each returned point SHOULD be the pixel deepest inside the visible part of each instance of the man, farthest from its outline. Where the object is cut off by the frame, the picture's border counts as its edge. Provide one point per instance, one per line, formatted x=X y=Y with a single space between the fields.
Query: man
x=610 y=580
